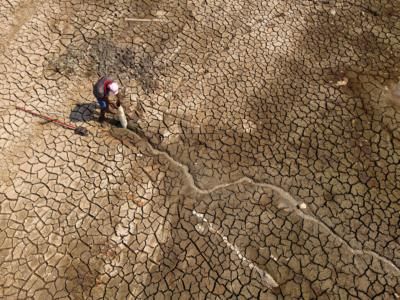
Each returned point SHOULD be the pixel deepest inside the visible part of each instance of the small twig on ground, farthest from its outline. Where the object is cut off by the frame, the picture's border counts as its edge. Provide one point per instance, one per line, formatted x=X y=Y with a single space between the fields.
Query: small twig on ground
x=143 y=20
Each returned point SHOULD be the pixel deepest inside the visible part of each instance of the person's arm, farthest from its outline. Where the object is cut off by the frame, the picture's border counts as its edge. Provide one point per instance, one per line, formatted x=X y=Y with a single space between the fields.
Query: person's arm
x=109 y=103
x=118 y=102
x=112 y=105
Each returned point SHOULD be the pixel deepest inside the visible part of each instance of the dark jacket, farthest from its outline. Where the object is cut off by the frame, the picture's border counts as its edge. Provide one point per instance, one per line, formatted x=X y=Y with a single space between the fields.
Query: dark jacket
x=100 y=90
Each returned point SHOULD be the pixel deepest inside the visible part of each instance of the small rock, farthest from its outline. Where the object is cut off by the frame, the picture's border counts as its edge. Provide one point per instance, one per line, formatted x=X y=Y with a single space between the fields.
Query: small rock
x=200 y=228
x=342 y=82
x=160 y=13
x=302 y=205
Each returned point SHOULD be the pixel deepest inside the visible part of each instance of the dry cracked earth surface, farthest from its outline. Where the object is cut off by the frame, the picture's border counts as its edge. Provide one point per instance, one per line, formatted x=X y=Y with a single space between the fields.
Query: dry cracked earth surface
x=261 y=159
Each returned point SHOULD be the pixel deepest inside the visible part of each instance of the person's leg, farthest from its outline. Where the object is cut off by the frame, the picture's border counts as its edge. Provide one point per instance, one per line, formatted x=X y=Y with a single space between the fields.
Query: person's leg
x=103 y=109
x=102 y=116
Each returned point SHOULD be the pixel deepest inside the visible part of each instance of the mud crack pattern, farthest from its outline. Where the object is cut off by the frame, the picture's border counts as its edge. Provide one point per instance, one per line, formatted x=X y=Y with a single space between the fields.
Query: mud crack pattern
x=261 y=159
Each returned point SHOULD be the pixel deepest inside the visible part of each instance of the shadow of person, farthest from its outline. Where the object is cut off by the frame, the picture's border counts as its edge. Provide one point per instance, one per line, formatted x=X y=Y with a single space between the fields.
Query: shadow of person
x=84 y=112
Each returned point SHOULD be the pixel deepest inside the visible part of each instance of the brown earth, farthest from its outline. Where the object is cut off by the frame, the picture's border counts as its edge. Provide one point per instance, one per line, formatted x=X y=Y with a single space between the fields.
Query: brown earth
x=262 y=159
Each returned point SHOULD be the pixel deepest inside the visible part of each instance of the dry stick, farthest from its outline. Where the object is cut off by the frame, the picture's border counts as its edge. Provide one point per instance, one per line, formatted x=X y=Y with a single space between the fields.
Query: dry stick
x=143 y=20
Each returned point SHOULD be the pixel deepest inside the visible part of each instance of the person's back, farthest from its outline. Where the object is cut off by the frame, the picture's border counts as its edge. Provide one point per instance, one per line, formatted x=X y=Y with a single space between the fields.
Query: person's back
x=102 y=89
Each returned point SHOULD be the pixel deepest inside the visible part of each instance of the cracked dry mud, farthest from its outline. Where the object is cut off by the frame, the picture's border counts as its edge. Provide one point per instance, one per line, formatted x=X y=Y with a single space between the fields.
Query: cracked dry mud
x=264 y=163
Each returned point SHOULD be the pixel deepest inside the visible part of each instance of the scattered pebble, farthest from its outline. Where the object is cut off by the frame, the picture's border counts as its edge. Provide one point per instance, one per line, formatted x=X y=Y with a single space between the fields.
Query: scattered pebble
x=274 y=257
x=342 y=82
x=303 y=206
x=200 y=228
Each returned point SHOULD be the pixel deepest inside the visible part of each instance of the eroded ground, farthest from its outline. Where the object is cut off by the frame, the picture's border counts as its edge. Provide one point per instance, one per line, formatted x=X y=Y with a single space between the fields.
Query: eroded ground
x=243 y=111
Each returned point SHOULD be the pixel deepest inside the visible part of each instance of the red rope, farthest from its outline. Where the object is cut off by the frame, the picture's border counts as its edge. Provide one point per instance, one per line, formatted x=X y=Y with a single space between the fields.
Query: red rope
x=69 y=126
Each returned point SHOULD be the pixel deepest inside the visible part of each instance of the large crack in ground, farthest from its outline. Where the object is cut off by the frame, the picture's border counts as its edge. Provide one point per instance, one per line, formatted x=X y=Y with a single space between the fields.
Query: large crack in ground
x=271 y=148
x=291 y=202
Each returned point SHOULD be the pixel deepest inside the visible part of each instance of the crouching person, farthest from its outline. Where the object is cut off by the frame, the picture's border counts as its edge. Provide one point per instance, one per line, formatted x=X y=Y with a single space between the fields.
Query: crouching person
x=104 y=90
